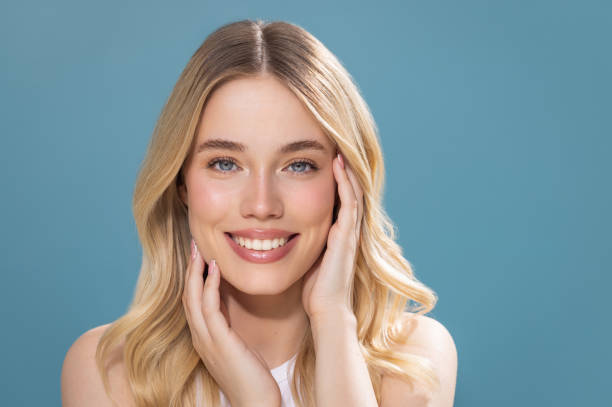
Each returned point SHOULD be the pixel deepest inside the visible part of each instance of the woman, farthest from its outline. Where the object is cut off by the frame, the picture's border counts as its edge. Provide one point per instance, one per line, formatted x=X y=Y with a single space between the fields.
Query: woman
x=270 y=273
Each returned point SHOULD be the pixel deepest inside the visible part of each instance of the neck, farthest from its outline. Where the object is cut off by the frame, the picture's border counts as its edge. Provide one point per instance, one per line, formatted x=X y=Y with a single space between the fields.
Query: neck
x=271 y=325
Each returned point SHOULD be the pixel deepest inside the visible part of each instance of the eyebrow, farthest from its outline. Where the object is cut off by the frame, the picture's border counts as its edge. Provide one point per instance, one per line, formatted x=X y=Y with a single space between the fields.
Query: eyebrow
x=221 y=144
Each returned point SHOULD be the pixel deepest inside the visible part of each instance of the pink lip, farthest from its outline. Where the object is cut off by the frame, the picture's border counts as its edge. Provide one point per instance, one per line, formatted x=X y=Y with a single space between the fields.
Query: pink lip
x=261 y=256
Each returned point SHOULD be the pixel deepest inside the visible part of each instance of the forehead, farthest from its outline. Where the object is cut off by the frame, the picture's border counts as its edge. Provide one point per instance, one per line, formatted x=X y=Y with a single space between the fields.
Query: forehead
x=258 y=112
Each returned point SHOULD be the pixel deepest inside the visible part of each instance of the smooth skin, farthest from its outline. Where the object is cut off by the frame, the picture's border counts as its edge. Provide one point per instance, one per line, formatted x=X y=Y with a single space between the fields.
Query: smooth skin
x=241 y=373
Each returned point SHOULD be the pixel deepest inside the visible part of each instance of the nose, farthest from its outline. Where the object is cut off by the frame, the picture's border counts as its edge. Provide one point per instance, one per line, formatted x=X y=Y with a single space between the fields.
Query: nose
x=261 y=198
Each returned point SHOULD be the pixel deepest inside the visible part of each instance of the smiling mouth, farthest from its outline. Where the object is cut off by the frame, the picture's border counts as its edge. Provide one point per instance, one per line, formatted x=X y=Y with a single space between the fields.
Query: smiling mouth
x=261 y=244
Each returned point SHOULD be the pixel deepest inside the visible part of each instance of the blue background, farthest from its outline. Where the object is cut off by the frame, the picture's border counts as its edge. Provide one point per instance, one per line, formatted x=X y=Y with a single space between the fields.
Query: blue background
x=495 y=121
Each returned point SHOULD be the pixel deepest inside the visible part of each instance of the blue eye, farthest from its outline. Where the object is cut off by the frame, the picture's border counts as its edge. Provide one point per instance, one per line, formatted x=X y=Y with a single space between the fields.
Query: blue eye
x=302 y=164
x=224 y=168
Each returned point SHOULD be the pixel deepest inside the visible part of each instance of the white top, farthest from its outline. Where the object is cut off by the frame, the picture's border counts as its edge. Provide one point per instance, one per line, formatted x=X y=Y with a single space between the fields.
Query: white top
x=282 y=374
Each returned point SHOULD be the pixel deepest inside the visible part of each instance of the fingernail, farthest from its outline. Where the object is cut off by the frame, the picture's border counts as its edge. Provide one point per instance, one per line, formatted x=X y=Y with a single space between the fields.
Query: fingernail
x=213 y=266
x=193 y=249
x=341 y=160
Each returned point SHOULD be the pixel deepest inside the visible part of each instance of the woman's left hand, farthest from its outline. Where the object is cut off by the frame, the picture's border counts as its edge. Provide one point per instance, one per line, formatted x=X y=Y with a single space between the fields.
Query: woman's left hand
x=327 y=285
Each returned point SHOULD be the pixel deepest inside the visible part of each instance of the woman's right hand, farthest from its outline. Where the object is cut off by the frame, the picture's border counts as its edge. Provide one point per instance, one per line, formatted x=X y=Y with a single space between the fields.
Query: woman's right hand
x=240 y=372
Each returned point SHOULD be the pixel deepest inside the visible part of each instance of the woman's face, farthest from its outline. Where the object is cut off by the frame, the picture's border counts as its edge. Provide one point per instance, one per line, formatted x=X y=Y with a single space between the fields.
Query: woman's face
x=239 y=177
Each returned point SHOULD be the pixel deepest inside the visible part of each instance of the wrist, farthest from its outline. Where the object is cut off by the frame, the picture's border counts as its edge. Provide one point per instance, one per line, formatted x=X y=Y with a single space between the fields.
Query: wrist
x=333 y=316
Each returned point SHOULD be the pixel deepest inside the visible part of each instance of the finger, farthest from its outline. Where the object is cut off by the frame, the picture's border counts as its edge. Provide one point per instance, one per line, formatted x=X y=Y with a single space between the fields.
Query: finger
x=358 y=195
x=193 y=291
x=211 y=305
x=347 y=216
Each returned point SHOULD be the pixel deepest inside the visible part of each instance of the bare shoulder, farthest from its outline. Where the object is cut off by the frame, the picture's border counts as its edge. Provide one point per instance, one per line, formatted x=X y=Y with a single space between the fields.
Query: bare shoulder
x=429 y=338
x=81 y=383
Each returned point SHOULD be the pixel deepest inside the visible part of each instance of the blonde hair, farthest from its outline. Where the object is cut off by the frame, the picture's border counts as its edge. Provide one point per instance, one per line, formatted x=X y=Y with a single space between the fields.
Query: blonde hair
x=158 y=354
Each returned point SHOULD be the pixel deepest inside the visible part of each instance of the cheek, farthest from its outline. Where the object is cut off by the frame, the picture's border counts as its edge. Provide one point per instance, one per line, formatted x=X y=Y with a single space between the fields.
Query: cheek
x=209 y=200
x=314 y=202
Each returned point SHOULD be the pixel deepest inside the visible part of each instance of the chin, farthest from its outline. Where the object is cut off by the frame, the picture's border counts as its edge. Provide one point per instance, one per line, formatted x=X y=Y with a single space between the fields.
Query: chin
x=262 y=282
x=263 y=288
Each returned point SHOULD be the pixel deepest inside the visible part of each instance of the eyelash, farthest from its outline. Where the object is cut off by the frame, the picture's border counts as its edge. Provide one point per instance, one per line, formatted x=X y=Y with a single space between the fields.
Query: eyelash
x=229 y=159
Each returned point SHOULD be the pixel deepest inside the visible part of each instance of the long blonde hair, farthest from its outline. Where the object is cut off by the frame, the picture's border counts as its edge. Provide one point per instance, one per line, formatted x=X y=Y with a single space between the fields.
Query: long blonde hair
x=158 y=354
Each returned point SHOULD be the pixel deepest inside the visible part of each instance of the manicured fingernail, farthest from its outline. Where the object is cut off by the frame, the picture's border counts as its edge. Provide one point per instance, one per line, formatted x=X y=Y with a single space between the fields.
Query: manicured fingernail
x=193 y=249
x=213 y=266
x=341 y=160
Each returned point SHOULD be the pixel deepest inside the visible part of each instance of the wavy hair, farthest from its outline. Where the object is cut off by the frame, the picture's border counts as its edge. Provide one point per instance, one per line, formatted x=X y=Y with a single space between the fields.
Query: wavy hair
x=153 y=336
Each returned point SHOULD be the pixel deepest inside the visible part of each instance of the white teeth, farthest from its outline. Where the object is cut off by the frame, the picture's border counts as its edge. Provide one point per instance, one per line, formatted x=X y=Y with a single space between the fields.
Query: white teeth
x=256 y=244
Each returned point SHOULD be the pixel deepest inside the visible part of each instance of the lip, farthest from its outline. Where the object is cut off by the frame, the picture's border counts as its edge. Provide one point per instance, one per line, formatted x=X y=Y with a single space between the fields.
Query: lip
x=261 y=234
x=262 y=256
